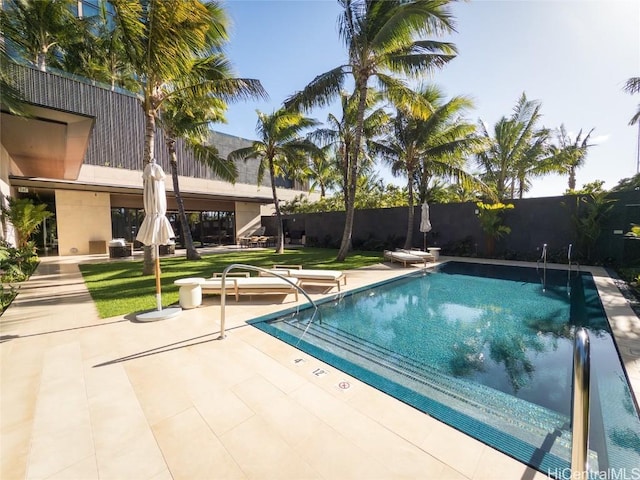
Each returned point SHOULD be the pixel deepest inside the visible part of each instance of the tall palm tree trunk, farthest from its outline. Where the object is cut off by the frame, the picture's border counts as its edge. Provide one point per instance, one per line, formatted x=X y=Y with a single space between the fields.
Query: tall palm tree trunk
x=148 y=265
x=41 y=60
x=280 y=241
x=345 y=174
x=638 y=152
x=345 y=246
x=572 y=178
x=192 y=253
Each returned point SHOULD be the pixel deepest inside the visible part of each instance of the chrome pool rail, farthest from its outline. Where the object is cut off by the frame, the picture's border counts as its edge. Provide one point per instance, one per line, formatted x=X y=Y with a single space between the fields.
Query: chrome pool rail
x=580 y=405
x=543 y=258
x=569 y=269
x=223 y=295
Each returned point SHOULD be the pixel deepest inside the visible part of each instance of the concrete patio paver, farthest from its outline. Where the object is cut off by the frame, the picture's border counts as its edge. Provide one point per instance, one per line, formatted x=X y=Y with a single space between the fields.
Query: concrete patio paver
x=90 y=398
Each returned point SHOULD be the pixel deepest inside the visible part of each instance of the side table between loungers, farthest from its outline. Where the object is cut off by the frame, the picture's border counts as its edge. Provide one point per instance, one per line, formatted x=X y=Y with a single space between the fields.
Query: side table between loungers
x=190 y=291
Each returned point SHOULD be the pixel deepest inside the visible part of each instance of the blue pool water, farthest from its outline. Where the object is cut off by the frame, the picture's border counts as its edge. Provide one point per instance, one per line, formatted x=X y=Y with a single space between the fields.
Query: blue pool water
x=486 y=349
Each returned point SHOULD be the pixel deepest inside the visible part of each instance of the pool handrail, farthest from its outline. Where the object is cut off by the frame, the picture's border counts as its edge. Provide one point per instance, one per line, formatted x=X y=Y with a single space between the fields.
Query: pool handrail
x=543 y=258
x=580 y=405
x=571 y=264
x=255 y=269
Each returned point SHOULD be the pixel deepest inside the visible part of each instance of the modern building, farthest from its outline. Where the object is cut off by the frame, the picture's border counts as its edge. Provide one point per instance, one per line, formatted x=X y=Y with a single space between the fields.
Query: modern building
x=80 y=151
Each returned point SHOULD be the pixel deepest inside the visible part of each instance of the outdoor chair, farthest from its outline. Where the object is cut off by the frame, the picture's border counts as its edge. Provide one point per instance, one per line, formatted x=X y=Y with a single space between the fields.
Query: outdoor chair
x=419 y=253
x=403 y=258
x=312 y=276
x=240 y=283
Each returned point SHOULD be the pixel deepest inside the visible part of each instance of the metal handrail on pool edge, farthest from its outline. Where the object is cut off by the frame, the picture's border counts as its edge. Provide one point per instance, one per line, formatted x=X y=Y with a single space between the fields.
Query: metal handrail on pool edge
x=255 y=269
x=543 y=258
x=580 y=406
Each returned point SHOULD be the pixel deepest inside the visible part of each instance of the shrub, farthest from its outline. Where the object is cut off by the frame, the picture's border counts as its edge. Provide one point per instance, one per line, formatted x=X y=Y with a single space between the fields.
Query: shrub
x=25 y=216
x=16 y=265
x=461 y=248
x=490 y=217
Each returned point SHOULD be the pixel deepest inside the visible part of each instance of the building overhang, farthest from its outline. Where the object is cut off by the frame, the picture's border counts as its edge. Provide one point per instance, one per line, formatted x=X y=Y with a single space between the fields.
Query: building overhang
x=47 y=143
x=38 y=183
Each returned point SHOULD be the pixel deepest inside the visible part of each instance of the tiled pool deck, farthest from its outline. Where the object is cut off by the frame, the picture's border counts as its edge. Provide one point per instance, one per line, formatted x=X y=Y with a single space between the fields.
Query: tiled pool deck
x=90 y=398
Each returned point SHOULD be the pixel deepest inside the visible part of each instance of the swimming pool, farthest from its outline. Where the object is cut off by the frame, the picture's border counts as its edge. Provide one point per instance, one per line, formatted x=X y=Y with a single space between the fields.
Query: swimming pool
x=486 y=349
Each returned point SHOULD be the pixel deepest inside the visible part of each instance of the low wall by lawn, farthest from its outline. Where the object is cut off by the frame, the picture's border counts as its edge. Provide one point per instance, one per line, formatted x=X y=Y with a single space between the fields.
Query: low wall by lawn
x=456 y=229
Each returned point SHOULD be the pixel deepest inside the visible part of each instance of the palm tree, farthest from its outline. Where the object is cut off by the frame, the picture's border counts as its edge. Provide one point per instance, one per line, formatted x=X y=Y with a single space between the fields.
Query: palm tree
x=100 y=53
x=25 y=216
x=340 y=133
x=570 y=154
x=324 y=171
x=168 y=43
x=186 y=117
x=187 y=114
x=379 y=36
x=516 y=151
x=461 y=193
x=633 y=86
x=370 y=190
x=38 y=28
x=420 y=148
x=281 y=149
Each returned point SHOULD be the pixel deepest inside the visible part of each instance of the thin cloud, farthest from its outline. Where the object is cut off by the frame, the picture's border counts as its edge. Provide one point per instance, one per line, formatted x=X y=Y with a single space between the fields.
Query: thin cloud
x=593 y=140
x=598 y=139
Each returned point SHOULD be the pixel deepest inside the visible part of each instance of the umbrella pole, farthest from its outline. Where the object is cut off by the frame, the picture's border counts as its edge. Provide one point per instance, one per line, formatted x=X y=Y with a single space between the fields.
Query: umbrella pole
x=157 y=271
x=424 y=241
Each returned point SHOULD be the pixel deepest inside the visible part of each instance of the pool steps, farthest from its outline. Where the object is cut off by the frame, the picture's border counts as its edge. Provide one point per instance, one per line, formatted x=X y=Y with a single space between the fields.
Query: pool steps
x=513 y=415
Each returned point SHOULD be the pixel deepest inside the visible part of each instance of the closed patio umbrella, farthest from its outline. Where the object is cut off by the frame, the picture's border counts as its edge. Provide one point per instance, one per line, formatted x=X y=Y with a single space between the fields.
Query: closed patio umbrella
x=155 y=230
x=425 y=224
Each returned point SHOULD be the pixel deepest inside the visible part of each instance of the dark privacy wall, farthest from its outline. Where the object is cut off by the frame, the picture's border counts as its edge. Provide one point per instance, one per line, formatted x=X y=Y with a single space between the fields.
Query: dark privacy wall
x=457 y=231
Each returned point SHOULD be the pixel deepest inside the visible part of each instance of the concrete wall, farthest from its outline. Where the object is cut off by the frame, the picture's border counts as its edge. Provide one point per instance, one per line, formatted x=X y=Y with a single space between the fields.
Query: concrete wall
x=82 y=217
x=247 y=218
x=456 y=229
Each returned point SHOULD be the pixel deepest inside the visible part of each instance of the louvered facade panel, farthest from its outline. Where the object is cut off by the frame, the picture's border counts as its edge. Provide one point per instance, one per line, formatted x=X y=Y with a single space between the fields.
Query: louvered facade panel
x=118 y=135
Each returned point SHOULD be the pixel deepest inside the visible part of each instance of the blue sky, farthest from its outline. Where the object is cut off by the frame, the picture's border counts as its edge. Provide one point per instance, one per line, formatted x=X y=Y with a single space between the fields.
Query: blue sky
x=572 y=55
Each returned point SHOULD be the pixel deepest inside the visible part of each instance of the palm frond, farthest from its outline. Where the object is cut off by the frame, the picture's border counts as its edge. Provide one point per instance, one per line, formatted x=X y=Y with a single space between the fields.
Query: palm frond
x=636 y=118
x=403 y=97
x=403 y=21
x=128 y=15
x=208 y=155
x=632 y=85
x=324 y=135
x=246 y=153
x=320 y=92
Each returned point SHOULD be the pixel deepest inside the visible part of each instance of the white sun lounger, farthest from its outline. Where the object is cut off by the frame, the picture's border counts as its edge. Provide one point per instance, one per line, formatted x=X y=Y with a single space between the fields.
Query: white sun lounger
x=419 y=253
x=309 y=276
x=404 y=258
x=249 y=286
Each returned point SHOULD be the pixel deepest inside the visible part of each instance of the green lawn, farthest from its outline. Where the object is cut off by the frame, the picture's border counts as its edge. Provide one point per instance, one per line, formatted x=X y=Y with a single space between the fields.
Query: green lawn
x=119 y=287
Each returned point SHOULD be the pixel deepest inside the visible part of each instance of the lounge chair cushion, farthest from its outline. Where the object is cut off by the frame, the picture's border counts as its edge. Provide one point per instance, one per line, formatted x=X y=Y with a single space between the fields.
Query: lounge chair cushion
x=249 y=286
x=214 y=285
x=404 y=258
x=262 y=283
x=419 y=253
x=312 y=276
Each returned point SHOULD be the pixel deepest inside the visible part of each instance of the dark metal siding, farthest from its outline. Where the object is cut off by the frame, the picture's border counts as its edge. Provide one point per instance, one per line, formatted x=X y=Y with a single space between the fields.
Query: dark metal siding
x=118 y=135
